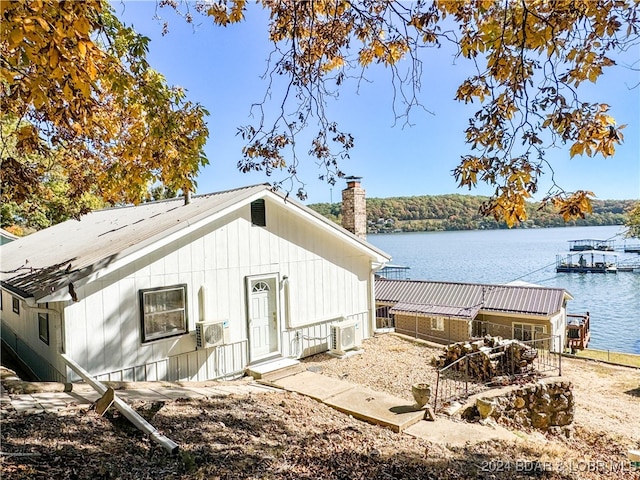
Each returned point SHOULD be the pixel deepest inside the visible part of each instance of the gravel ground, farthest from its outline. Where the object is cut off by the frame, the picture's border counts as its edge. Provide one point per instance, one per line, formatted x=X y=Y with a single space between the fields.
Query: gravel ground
x=388 y=363
x=607 y=396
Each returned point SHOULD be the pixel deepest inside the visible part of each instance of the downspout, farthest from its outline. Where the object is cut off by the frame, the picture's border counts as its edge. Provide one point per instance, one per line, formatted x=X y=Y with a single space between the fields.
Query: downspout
x=128 y=412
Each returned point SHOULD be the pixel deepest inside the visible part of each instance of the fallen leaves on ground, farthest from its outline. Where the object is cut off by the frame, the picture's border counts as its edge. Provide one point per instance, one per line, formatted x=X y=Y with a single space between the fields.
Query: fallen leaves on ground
x=284 y=435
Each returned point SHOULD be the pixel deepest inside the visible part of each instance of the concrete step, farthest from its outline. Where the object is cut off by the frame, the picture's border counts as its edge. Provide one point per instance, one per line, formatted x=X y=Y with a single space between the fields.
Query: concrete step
x=269 y=372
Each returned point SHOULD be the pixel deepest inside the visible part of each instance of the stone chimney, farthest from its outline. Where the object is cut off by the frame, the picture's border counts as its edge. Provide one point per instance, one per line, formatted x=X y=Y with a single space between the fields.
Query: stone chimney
x=354 y=208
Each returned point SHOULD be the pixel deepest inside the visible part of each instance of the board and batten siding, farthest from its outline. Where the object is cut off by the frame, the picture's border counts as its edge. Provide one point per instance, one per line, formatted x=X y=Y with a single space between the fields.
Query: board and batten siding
x=328 y=279
x=20 y=332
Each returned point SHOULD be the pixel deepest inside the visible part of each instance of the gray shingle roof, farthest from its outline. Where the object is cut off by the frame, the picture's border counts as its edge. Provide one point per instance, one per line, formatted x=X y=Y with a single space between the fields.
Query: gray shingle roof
x=47 y=260
x=426 y=296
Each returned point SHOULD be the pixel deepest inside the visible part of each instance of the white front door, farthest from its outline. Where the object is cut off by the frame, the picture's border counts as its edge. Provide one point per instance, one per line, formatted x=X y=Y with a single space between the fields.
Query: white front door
x=262 y=317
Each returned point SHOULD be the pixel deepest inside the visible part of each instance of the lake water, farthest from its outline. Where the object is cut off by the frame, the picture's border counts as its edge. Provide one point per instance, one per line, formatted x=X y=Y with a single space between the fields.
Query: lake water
x=501 y=256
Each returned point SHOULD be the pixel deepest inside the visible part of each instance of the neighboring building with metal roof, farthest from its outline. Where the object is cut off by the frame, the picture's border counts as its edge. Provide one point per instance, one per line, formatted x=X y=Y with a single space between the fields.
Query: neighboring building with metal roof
x=447 y=312
x=176 y=290
x=6 y=237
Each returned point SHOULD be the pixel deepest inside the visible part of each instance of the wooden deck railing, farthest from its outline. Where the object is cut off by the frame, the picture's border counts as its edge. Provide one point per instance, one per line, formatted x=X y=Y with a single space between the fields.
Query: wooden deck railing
x=578 y=331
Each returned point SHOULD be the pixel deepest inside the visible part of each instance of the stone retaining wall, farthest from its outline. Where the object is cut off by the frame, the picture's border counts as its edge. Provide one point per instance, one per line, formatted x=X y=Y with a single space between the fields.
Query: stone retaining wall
x=543 y=405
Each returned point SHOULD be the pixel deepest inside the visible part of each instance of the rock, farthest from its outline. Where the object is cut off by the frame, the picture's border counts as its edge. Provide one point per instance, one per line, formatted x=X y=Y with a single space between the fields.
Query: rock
x=562 y=418
x=540 y=420
x=561 y=402
x=485 y=407
x=555 y=430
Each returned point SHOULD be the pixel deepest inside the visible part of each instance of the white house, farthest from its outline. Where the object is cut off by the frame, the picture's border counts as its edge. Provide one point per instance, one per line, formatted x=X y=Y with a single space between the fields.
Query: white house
x=177 y=290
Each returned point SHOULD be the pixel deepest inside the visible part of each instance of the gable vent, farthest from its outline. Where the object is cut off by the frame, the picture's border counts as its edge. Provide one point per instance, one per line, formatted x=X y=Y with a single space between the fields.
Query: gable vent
x=258 y=214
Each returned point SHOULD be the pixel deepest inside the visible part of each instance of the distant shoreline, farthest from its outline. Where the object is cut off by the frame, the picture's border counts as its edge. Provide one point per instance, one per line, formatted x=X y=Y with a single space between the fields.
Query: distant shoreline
x=461 y=212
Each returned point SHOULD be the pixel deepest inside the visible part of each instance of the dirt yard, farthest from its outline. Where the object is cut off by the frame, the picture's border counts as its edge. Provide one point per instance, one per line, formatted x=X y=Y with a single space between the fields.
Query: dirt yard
x=607 y=397
x=287 y=436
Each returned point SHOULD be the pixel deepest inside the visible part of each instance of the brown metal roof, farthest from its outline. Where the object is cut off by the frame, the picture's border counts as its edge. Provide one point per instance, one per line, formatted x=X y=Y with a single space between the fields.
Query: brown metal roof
x=467 y=313
x=529 y=300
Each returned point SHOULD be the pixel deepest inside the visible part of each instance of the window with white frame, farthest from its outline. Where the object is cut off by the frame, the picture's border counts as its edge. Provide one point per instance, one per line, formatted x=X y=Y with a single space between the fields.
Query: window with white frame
x=163 y=312
x=437 y=323
x=528 y=331
x=43 y=325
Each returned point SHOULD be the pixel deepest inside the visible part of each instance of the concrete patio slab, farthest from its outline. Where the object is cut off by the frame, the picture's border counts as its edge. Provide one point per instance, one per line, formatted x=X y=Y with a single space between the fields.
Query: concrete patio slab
x=176 y=393
x=84 y=397
x=208 y=391
x=448 y=432
x=376 y=407
x=230 y=389
x=140 y=395
x=54 y=401
x=25 y=403
x=314 y=385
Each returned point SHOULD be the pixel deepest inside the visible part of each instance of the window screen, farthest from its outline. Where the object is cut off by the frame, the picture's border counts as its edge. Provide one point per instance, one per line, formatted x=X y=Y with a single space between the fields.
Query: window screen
x=163 y=312
x=43 y=325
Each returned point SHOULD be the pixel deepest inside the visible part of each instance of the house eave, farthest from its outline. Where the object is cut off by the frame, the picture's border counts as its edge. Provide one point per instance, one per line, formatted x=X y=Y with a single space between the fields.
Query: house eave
x=55 y=287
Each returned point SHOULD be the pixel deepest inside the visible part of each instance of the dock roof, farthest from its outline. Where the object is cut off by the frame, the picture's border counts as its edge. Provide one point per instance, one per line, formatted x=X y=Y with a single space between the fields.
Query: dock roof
x=464 y=300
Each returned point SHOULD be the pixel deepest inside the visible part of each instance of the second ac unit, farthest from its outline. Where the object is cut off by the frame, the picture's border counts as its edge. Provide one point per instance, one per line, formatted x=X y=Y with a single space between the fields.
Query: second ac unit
x=344 y=337
x=210 y=334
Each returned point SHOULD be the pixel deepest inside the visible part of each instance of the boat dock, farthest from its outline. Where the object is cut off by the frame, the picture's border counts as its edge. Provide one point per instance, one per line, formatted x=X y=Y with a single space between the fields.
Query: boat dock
x=597 y=256
x=631 y=249
x=586 y=244
x=587 y=261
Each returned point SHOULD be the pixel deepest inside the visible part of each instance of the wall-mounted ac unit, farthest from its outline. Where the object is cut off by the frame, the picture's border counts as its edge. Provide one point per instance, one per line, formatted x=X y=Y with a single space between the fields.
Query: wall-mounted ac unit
x=344 y=337
x=210 y=334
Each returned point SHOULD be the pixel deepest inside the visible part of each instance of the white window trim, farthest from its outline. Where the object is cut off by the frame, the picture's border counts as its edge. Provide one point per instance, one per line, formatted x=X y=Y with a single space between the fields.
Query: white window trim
x=534 y=327
x=437 y=323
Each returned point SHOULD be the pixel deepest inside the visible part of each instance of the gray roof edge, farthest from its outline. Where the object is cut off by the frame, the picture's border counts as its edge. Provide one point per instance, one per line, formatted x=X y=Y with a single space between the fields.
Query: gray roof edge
x=181 y=198
x=197 y=221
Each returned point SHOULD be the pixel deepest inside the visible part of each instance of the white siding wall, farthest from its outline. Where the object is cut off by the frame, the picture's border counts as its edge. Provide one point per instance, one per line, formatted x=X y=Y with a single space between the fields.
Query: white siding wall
x=21 y=334
x=328 y=278
x=559 y=327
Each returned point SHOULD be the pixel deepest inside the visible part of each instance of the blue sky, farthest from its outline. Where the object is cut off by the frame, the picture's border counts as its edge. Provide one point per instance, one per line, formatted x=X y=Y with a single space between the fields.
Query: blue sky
x=221 y=69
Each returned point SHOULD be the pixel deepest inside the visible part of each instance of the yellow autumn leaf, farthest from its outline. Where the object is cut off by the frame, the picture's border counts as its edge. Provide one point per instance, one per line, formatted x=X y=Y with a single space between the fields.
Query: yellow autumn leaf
x=82 y=49
x=43 y=23
x=15 y=37
x=576 y=149
x=53 y=57
x=82 y=25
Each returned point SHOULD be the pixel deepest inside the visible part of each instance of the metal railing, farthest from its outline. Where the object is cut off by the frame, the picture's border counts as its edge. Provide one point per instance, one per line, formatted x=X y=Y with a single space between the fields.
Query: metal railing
x=459 y=379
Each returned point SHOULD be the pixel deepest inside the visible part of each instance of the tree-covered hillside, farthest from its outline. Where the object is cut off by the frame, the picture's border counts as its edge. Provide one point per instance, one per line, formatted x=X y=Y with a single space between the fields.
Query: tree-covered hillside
x=461 y=212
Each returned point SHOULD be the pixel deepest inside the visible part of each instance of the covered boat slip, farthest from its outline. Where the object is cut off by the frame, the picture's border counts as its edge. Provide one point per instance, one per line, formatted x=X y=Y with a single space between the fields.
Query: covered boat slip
x=588 y=261
x=591 y=244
